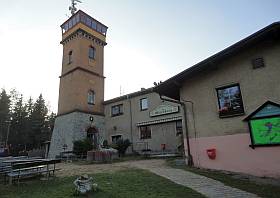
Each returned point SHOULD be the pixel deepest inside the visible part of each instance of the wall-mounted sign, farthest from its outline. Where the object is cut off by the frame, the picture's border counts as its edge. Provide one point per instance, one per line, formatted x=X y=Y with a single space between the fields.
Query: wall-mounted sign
x=264 y=125
x=265 y=131
x=163 y=110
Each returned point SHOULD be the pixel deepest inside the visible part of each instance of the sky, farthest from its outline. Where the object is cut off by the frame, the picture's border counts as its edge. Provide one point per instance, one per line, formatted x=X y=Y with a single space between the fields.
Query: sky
x=148 y=40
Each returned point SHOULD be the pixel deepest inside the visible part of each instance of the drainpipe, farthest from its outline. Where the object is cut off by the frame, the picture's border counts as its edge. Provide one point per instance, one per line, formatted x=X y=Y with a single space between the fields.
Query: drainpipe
x=130 y=113
x=190 y=158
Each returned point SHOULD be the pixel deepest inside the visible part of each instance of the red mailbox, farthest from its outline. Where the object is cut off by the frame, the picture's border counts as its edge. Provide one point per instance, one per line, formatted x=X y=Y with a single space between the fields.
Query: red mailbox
x=211 y=153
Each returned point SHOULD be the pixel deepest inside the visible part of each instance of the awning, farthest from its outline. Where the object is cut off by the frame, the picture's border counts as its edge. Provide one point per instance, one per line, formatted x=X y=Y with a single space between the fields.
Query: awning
x=151 y=122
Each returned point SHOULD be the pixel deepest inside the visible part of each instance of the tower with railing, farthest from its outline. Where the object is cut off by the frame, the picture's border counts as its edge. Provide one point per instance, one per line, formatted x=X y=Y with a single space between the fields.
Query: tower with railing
x=81 y=90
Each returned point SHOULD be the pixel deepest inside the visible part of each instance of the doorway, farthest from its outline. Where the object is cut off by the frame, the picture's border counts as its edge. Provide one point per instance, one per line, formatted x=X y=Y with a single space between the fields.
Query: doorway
x=92 y=135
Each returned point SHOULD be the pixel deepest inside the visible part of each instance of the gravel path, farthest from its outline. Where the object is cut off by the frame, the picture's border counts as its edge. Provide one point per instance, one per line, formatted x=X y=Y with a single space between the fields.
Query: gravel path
x=204 y=185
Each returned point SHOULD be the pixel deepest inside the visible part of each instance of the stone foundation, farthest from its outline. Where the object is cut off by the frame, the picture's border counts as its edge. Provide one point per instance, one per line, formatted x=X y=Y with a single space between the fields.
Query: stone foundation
x=72 y=127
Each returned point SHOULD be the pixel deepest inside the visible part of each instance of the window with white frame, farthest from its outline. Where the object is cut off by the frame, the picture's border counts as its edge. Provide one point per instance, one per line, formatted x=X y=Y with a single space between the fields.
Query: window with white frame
x=91 y=52
x=144 y=104
x=117 y=110
x=91 y=97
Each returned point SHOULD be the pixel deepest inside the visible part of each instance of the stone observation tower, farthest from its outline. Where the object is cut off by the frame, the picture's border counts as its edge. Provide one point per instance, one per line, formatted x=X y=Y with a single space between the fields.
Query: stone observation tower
x=81 y=92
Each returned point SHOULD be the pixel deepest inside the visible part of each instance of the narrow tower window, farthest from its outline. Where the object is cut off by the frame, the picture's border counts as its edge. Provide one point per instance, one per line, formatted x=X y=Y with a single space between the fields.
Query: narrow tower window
x=70 y=57
x=91 y=52
x=91 y=97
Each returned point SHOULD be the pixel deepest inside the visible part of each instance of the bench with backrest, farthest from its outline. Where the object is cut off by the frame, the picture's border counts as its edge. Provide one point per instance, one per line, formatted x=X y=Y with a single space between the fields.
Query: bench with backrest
x=33 y=168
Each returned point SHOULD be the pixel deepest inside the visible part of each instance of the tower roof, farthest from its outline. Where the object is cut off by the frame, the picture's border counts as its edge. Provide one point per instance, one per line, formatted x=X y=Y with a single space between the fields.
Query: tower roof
x=82 y=17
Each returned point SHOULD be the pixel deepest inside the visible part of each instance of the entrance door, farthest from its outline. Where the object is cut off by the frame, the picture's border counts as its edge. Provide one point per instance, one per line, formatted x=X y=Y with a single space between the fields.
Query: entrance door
x=92 y=134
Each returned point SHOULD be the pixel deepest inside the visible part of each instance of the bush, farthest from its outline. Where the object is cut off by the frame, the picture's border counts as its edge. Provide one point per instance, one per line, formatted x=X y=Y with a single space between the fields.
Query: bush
x=81 y=147
x=121 y=145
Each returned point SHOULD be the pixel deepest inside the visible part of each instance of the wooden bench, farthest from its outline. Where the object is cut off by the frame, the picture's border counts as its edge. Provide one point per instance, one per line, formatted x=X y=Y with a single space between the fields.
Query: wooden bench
x=32 y=168
x=4 y=170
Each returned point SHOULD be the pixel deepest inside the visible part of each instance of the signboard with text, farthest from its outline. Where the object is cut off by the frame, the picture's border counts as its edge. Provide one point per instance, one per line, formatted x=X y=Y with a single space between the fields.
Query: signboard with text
x=163 y=110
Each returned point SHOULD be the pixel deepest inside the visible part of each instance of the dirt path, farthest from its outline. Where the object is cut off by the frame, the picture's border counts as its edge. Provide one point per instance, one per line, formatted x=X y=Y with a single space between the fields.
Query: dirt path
x=71 y=169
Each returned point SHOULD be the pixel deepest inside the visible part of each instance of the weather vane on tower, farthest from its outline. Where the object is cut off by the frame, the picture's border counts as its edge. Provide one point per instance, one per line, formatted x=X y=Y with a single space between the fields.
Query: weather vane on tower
x=73 y=8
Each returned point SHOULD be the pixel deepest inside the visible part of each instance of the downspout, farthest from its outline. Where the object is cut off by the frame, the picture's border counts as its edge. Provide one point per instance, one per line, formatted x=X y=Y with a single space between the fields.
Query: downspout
x=190 y=158
x=130 y=114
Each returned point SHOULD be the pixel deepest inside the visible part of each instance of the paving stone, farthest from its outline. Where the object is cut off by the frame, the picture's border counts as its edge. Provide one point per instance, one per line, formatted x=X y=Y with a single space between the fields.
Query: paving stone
x=208 y=187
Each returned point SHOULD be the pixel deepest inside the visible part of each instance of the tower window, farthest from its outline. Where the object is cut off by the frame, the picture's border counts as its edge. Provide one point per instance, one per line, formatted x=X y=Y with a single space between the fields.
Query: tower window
x=91 y=97
x=91 y=52
x=70 y=54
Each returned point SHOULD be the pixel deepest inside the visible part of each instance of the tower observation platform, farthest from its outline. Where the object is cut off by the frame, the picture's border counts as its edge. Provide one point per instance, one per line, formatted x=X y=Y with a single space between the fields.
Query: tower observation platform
x=81 y=20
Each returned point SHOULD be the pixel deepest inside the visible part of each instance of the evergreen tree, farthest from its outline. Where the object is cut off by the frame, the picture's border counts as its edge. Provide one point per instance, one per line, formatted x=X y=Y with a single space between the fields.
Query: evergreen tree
x=19 y=133
x=30 y=124
x=38 y=122
x=51 y=120
x=4 y=114
x=29 y=109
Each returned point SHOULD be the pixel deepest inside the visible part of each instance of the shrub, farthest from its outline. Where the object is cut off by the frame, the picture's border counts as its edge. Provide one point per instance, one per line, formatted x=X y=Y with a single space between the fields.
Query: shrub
x=81 y=147
x=121 y=145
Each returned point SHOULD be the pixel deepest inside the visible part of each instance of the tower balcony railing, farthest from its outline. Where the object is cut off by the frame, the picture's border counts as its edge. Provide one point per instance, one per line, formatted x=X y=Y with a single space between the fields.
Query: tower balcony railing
x=81 y=17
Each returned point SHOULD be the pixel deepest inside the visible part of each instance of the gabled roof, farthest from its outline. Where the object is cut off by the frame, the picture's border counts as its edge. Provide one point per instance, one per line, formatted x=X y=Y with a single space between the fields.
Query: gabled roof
x=127 y=96
x=275 y=110
x=171 y=87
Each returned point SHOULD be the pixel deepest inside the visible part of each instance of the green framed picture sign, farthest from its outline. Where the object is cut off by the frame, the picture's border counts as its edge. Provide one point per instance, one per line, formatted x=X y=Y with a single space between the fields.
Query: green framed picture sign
x=265 y=131
x=264 y=125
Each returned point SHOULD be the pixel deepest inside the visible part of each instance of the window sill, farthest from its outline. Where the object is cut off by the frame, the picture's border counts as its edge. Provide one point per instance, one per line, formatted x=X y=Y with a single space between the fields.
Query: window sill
x=117 y=115
x=231 y=115
x=145 y=138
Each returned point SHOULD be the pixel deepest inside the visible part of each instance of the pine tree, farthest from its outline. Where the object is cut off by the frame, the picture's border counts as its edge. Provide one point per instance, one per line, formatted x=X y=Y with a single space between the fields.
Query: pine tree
x=4 y=114
x=19 y=134
x=38 y=122
x=29 y=109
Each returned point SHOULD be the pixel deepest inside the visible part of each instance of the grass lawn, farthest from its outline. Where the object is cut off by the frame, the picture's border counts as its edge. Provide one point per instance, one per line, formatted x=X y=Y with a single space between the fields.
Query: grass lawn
x=263 y=190
x=131 y=183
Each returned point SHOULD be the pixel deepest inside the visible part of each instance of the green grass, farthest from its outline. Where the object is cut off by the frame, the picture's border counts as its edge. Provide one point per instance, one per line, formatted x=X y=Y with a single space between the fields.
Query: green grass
x=263 y=190
x=131 y=183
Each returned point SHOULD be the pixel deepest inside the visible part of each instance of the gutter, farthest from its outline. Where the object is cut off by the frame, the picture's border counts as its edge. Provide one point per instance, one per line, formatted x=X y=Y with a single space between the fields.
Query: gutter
x=190 y=158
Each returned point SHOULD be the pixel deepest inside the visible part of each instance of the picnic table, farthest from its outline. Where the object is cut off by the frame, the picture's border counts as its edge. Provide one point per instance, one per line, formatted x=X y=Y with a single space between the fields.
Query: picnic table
x=6 y=167
x=30 y=167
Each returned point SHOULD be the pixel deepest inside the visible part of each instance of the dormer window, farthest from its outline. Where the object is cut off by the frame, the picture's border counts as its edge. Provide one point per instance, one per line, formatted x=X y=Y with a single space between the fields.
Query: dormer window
x=70 y=57
x=91 y=52
x=91 y=97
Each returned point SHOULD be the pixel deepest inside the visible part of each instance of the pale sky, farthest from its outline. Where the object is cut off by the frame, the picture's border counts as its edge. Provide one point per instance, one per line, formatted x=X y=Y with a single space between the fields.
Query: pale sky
x=148 y=40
